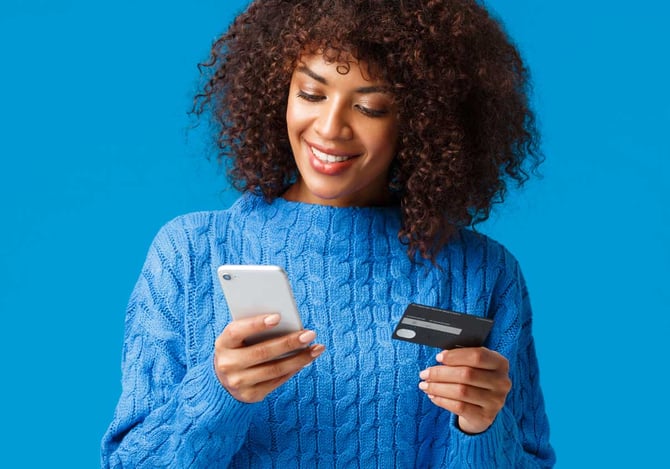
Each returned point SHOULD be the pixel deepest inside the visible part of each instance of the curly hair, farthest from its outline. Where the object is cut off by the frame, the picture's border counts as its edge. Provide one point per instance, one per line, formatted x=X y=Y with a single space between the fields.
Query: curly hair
x=466 y=128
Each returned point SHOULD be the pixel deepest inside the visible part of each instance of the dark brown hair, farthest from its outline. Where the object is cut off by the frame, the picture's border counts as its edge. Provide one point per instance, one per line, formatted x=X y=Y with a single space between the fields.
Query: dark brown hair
x=465 y=125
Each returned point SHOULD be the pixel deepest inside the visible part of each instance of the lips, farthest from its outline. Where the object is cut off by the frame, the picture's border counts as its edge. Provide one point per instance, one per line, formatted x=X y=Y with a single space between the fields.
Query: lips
x=330 y=162
x=329 y=157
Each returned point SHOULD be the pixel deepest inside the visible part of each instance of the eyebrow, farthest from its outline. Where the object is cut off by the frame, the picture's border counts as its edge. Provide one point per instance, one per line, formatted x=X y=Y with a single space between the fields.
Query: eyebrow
x=361 y=90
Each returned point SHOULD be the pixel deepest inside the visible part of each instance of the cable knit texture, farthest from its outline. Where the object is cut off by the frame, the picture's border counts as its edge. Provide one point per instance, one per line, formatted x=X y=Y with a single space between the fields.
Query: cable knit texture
x=358 y=404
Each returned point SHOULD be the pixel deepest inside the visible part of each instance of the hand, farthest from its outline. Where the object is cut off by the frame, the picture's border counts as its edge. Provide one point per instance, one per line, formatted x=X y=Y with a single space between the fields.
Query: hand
x=472 y=383
x=250 y=373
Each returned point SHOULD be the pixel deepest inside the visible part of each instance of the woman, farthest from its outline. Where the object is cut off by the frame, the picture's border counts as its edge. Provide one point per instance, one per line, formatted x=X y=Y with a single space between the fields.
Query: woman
x=366 y=136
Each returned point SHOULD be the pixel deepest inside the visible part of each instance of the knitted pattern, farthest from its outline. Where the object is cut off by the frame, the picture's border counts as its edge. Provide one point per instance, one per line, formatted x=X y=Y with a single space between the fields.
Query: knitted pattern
x=358 y=404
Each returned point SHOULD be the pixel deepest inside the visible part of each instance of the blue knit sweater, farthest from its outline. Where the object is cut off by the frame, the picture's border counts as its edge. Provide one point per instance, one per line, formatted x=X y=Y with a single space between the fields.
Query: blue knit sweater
x=358 y=404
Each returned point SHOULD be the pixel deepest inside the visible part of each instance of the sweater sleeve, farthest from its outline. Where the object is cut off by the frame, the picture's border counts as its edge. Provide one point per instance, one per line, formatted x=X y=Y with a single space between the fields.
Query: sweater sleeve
x=519 y=436
x=173 y=412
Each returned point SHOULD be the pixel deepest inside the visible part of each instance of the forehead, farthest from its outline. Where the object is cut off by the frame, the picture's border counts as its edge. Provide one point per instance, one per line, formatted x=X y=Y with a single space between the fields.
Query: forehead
x=338 y=64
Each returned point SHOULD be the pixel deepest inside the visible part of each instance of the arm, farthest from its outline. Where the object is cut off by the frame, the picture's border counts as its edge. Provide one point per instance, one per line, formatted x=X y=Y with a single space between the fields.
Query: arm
x=506 y=427
x=173 y=411
x=519 y=435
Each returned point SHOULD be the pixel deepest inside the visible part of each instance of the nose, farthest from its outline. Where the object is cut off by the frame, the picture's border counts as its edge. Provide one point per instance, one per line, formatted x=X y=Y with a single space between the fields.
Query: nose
x=333 y=121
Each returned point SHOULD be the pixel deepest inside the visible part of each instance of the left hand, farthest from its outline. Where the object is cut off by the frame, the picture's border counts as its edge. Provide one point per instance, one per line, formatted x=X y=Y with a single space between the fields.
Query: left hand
x=472 y=383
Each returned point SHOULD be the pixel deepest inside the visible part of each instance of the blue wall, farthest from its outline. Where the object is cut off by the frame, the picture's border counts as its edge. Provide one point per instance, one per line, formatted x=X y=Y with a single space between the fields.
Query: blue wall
x=95 y=157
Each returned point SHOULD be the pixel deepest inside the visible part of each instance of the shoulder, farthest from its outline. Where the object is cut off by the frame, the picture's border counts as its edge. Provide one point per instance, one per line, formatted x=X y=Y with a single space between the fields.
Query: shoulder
x=200 y=236
x=481 y=251
x=187 y=234
x=194 y=222
x=483 y=264
x=193 y=225
x=185 y=229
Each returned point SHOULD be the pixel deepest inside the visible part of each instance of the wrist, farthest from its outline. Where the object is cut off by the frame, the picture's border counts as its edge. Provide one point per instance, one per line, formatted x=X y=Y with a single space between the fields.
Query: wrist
x=468 y=428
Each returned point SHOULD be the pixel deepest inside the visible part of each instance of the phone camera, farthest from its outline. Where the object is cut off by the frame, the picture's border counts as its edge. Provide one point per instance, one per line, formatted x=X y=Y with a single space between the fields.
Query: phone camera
x=227 y=276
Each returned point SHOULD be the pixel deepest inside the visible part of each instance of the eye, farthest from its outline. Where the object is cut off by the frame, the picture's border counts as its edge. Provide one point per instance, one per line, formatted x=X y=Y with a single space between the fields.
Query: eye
x=371 y=112
x=312 y=98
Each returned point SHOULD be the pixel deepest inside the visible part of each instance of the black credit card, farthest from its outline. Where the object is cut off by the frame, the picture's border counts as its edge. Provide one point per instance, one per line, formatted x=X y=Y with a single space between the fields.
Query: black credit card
x=441 y=328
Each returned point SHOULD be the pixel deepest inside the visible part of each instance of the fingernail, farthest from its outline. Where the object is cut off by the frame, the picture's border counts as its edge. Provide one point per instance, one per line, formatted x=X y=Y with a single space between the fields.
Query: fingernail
x=424 y=374
x=440 y=356
x=423 y=385
x=317 y=350
x=307 y=336
x=272 y=319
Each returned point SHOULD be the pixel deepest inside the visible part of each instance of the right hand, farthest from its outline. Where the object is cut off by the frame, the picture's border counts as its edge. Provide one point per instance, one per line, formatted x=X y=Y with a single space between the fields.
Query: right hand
x=251 y=372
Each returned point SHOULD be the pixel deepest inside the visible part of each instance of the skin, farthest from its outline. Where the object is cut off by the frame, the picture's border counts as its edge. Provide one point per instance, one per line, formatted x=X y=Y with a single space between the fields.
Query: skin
x=249 y=373
x=351 y=117
x=340 y=110
x=472 y=383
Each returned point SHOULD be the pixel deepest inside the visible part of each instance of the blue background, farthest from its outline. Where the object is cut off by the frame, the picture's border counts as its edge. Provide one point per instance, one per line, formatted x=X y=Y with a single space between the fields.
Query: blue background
x=95 y=157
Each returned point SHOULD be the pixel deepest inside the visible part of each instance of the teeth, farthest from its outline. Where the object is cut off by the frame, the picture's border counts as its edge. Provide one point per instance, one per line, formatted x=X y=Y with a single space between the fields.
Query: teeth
x=326 y=158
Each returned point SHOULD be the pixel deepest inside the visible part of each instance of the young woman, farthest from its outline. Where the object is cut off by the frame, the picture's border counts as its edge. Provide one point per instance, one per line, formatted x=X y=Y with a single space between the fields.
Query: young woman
x=365 y=136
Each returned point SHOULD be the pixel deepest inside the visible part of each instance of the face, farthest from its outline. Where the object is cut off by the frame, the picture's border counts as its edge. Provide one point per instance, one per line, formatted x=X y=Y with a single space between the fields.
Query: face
x=343 y=129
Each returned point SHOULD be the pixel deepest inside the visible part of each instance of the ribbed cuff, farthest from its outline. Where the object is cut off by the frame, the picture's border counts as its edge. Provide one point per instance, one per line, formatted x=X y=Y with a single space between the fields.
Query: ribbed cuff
x=490 y=448
x=205 y=398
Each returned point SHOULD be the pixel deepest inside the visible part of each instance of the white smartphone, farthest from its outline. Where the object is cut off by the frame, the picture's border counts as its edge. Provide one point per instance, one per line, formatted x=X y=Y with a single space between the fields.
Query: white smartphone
x=260 y=289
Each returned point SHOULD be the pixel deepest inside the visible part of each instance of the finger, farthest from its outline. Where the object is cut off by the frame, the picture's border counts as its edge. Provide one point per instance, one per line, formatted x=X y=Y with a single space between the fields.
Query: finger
x=274 y=348
x=269 y=372
x=475 y=357
x=460 y=408
x=229 y=361
x=459 y=392
x=471 y=418
x=257 y=393
x=237 y=331
x=465 y=375
x=252 y=385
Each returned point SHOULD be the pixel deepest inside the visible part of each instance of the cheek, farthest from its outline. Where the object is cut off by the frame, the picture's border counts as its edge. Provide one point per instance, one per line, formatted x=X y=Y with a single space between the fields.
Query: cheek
x=290 y=115
x=295 y=118
x=383 y=141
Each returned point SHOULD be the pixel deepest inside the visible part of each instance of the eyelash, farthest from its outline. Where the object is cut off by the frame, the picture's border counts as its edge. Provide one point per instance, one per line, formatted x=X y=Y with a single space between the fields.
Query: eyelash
x=312 y=98
x=371 y=112
x=315 y=98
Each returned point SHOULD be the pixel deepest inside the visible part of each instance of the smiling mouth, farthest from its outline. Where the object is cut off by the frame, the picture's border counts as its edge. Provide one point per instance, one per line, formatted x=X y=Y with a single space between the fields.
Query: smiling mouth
x=328 y=158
